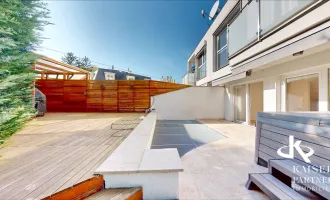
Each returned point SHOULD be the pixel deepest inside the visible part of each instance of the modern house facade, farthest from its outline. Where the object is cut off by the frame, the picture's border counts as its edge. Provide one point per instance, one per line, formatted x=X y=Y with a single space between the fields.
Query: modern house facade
x=112 y=74
x=268 y=55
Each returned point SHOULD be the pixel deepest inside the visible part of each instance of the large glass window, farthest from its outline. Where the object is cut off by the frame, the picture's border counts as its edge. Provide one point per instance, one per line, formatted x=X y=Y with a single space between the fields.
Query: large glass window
x=222 y=52
x=302 y=93
x=201 y=71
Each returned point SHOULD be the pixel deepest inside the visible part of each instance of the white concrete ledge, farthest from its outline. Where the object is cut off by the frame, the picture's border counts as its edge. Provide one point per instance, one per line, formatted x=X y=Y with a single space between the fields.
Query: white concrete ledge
x=134 y=164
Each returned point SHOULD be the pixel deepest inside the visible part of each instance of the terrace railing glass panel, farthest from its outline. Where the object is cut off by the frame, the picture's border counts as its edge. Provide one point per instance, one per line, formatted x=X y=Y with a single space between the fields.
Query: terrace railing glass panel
x=188 y=79
x=273 y=13
x=244 y=28
x=258 y=18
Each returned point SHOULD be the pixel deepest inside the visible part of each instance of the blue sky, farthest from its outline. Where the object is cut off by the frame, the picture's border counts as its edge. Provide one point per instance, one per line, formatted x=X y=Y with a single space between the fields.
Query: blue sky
x=148 y=37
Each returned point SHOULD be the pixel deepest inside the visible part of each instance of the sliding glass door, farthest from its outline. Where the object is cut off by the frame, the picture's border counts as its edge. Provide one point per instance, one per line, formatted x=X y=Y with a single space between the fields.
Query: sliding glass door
x=240 y=103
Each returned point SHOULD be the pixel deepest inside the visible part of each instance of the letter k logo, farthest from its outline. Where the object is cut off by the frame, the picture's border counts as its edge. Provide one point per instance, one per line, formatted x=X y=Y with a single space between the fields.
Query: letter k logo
x=295 y=145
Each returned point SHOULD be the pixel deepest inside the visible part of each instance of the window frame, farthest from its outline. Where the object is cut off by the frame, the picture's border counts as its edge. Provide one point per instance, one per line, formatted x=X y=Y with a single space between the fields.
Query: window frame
x=130 y=76
x=224 y=26
x=113 y=76
x=202 y=64
x=220 y=50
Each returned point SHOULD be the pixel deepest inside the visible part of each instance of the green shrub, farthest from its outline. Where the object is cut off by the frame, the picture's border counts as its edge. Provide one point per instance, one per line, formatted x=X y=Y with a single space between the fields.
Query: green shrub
x=21 y=23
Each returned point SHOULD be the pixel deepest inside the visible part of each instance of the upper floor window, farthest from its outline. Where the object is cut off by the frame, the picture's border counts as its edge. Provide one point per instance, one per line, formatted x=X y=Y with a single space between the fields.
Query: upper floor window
x=222 y=50
x=109 y=76
x=130 y=77
x=201 y=71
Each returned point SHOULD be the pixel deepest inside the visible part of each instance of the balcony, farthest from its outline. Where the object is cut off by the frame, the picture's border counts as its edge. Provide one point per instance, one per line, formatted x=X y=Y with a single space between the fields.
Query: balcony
x=258 y=18
x=188 y=79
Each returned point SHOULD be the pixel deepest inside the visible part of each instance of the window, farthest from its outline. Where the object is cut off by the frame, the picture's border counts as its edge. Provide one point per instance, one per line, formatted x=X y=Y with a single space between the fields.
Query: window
x=128 y=77
x=222 y=50
x=109 y=76
x=302 y=93
x=193 y=67
x=201 y=71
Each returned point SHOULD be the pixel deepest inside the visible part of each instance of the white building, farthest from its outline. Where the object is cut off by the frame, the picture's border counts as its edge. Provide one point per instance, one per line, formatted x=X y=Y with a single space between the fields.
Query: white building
x=269 y=55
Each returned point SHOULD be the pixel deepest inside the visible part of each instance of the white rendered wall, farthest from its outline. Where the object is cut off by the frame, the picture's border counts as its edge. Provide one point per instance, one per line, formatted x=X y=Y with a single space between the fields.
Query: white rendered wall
x=191 y=103
x=156 y=186
x=274 y=77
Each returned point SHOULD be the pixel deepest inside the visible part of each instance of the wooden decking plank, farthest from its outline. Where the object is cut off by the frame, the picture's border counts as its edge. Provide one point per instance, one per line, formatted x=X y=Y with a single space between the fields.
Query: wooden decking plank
x=92 y=170
x=66 y=143
x=74 y=179
x=125 y=194
x=18 y=173
x=74 y=167
x=25 y=158
x=271 y=190
x=40 y=182
x=63 y=153
x=108 y=194
x=288 y=191
x=59 y=179
x=73 y=172
x=29 y=177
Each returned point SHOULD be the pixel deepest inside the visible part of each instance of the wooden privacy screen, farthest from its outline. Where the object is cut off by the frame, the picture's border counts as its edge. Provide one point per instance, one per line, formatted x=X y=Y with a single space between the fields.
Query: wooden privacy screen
x=102 y=96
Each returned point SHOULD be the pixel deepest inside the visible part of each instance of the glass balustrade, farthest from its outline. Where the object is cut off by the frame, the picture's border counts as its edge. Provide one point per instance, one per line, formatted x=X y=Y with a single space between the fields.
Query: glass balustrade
x=244 y=28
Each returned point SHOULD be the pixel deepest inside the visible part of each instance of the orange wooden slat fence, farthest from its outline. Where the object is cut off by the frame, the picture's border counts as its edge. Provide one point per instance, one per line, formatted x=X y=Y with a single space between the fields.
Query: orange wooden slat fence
x=102 y=96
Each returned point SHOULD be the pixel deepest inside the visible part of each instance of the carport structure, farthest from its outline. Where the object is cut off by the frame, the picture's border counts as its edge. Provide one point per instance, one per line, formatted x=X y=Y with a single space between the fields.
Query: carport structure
x=53 y=69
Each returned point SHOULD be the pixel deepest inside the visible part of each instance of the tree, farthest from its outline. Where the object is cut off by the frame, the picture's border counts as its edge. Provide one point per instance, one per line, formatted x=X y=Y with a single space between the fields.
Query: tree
x=21 y=23
x=86 y=62
x=168 y=79
x=83 y=63
x=70 y=58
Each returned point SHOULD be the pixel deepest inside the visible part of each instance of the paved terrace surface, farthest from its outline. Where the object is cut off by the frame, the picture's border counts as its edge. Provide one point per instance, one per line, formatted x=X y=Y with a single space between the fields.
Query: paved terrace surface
x=219 y=170
x=59 y=150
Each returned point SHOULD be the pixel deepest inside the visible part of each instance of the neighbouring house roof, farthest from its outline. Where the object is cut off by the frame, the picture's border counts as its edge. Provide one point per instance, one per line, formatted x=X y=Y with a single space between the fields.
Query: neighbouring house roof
x=119 y=75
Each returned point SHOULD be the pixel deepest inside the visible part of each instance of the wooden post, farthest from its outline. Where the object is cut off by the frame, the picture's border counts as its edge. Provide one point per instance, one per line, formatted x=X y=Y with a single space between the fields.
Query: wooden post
x=42 y=75
x=117 y=95
x=149 y=95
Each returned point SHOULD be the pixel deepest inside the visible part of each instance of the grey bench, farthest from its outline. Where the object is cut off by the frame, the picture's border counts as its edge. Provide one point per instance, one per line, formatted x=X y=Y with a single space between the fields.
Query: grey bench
x=273 y=131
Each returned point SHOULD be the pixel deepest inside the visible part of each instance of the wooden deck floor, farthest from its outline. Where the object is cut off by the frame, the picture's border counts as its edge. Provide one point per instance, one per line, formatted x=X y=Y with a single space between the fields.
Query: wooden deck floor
x=114 y=194
x=59 y=150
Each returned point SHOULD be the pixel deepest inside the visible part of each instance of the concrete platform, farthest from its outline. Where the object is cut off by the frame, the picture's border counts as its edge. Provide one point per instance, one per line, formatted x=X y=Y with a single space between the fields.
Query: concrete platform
x=134 y=164
x=219 y=170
